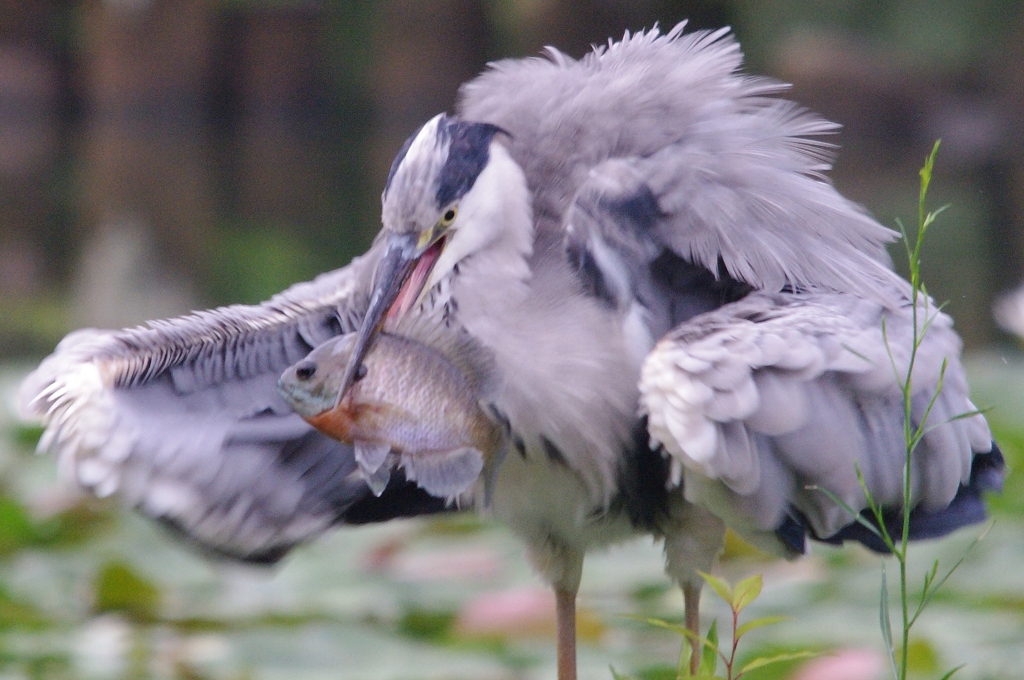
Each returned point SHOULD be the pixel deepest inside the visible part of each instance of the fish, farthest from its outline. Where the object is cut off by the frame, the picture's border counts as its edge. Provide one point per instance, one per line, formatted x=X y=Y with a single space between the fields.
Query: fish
x=421 y=401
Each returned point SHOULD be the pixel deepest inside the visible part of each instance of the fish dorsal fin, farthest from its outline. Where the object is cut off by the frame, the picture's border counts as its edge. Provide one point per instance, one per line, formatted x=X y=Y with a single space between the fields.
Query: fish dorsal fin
x=471 y=358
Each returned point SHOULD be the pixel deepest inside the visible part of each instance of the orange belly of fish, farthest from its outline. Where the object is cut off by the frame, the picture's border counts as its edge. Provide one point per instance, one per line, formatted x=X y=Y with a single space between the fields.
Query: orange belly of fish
x=336 y=422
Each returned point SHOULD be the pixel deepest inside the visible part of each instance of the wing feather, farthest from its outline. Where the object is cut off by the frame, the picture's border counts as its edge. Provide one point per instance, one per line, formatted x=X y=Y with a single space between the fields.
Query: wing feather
x=798 y=390
x=182 y=419
x=734 y=174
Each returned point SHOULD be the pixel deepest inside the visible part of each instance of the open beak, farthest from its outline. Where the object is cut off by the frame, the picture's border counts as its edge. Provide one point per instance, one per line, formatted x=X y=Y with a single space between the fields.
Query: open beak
x=401 y=274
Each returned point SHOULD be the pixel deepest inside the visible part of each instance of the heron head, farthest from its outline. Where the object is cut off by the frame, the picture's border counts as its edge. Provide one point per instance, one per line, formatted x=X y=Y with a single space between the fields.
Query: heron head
x=435 y=213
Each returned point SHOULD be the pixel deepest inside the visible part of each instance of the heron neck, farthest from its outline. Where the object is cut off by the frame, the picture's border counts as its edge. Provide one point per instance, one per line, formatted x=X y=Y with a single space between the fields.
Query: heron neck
x=492 y=271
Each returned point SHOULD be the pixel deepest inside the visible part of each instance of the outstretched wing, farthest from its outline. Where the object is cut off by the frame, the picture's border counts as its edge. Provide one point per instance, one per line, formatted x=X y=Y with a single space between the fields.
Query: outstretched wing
x=182 y=419
x=765 y=398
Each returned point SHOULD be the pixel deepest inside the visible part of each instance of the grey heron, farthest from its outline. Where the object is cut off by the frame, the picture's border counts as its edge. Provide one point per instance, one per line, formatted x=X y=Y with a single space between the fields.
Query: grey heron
x=686 y=315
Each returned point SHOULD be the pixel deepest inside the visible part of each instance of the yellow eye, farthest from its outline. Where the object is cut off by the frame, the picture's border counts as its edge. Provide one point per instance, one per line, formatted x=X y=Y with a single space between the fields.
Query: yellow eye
x=448 y=217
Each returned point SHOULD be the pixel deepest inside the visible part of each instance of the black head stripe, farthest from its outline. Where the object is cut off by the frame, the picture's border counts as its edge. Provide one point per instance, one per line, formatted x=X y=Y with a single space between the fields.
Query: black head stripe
x=468 y=152
x=399 y=157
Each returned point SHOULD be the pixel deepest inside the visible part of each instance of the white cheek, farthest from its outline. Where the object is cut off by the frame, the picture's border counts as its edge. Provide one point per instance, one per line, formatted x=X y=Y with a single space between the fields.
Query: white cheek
x=495 y=217
x=478 y=224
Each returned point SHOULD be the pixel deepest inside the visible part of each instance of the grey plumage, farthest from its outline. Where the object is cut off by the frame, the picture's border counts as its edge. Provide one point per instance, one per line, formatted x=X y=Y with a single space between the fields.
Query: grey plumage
x=647 y=214
x=776 y=393
x=736 y=172
x=182 y=418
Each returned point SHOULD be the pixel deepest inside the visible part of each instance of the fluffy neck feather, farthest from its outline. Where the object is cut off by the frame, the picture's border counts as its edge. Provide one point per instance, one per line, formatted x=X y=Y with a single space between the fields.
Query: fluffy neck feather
x=484 y=266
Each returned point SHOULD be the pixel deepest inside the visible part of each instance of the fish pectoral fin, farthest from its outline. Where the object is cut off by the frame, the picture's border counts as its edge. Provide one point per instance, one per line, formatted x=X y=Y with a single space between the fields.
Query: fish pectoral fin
x=377 y=481
x=371 y=455
x=444 y=474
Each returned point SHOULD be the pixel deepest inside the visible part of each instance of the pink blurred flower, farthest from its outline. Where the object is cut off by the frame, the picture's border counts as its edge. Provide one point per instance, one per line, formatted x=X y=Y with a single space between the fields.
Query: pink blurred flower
x=844 y=664
x=466 y=563
x=523 y=612
x=519 y=613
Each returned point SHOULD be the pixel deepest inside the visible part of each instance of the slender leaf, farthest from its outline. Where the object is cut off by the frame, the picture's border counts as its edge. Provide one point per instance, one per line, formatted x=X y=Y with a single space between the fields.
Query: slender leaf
x=876 y=510
x=658 y=623
x=763 y=661
x=970 y=414
x=718 y=585
x=931 y=587
x=953 y=419
x=935 y=213
x=857 y=354
x=883 y=616
x=919 y=434
x=707 y=643
x=856 y=516
x=746 y=591
x=757 y=623
x=888 y=351
x=929 y=578
x=905 y=239
x=950 y=674
x=683 y=665
x=709 y=658
x=685 y=656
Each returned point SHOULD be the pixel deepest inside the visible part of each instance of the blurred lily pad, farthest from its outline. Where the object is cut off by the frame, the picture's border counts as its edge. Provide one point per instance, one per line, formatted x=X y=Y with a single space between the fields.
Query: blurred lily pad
x=922 y=657
x=15 y=614
x=19 y=530
x=119 y=588
x=423 y=624
x=26 y=435
x=16 y=527
x=71 y=527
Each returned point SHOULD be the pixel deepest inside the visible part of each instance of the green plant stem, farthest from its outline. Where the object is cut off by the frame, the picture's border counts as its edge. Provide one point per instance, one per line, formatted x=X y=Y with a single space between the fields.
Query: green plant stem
x=922 y=316
x=735 y=643
x=912 y=435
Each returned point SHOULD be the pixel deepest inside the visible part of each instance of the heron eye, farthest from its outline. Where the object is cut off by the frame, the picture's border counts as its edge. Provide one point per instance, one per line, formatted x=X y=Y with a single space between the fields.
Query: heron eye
x=448 y=217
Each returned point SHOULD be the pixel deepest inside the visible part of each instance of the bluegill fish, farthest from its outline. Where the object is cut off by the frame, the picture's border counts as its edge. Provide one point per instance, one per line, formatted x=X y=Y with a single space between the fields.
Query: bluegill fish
x=417 y=403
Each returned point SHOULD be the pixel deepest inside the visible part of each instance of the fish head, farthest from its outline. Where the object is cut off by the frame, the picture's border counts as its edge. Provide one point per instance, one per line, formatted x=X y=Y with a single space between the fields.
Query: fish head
x=312 y=385
x=418 y=396
x=313 y=388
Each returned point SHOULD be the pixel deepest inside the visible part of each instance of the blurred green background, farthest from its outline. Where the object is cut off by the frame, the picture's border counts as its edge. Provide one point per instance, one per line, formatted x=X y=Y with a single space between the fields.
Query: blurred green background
x=158 y=156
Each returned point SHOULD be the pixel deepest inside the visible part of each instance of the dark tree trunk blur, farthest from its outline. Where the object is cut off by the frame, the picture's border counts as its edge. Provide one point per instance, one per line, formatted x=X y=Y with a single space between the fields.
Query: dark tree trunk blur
x=574 y=26
x=29 y=138
x=145 y=169
x=422 y=52
x=281 y=139
x=1007 y=70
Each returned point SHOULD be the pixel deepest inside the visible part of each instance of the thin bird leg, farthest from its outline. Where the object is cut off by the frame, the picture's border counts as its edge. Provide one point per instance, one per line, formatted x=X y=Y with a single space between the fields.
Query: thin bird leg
x=691 y=613
x=565 y=615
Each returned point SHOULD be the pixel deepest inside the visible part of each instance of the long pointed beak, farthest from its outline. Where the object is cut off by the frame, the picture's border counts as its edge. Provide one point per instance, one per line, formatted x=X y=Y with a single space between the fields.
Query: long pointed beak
x=393 y=269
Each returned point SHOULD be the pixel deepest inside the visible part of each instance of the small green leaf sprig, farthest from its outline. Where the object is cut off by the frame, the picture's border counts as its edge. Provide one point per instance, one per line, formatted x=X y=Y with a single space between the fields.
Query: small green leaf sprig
x=738 y=598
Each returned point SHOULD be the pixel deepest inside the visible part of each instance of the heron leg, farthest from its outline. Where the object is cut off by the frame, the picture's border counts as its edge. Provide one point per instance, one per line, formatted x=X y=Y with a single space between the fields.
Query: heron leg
x=691 y=614
x=693 y=539
x=565 y=616
x=561 y=565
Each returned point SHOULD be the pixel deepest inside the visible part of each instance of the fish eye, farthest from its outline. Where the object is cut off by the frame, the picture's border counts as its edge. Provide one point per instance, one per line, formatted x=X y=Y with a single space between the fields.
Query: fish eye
x=449 y=216
x=305 y=370
x=360 y=372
